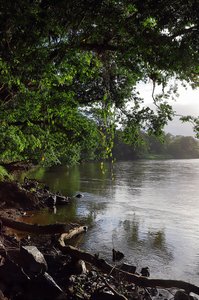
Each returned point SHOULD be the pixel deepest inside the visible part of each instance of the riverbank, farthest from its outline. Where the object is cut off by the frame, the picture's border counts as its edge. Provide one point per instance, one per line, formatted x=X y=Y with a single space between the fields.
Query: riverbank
x=66 y=272
x=37 y=261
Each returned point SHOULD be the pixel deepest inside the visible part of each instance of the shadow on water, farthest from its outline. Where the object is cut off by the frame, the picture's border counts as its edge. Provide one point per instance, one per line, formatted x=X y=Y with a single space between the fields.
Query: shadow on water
x=71 y=180
x=61 y=178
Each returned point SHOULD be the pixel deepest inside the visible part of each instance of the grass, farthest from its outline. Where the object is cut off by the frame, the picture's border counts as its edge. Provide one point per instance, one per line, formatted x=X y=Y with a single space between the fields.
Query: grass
x=4 y=174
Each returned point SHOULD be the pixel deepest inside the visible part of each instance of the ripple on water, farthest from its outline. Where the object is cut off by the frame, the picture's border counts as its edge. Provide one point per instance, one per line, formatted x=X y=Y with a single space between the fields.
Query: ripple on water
x=150 y=212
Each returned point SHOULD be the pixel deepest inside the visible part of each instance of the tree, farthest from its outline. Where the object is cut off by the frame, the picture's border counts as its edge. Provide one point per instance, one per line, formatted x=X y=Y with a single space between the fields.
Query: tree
x=184 y=147
x=58 y=57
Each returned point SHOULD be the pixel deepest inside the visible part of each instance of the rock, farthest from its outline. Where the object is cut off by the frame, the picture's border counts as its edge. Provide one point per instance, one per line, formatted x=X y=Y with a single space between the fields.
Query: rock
x=79 y=196
x=117 y=255
x=105 y=295
x=50 y=201
x=180 y=295
x=153 y=292
x=51 y=283
x=43 y=287
x=61 y=200
x=33 y=261
x=53 y=200
x=15 y=197
x=80 y=267
x=46 y=188
x=11 y=272
x=127 y=268
x=2 y=297
x=30 y=183
x=145 y=272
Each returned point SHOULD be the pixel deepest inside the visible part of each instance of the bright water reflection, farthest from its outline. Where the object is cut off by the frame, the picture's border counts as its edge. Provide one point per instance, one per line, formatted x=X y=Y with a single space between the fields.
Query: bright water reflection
x=150 y=211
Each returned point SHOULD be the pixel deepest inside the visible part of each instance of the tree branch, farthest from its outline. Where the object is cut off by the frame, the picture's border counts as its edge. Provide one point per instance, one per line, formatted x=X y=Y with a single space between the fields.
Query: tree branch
x=185 y=31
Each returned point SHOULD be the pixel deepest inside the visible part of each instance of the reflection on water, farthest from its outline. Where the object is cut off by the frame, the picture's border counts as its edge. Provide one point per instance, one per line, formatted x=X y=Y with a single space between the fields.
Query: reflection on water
x=149 y=211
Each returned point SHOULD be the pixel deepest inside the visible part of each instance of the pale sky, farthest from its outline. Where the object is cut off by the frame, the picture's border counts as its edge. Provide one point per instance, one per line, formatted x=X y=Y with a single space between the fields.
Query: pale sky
x=186 y=104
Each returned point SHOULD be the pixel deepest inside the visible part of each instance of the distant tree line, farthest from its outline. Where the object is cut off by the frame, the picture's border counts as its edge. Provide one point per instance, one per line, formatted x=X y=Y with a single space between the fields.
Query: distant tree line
x=169 y=146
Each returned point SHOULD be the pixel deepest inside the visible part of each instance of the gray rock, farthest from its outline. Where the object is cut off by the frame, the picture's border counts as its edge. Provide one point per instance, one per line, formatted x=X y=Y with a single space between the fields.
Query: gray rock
x=32 y=261
x=180 y=295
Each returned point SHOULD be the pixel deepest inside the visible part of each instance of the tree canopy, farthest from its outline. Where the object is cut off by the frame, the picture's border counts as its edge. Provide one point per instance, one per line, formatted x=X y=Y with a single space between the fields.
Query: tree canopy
x=70 y=68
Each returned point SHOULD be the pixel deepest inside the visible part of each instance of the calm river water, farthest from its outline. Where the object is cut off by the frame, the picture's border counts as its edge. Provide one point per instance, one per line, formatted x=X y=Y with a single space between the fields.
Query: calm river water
x=149 y=210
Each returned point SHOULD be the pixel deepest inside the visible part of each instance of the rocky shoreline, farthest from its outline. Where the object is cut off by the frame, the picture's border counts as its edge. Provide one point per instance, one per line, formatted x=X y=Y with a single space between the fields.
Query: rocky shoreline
x=44 y=265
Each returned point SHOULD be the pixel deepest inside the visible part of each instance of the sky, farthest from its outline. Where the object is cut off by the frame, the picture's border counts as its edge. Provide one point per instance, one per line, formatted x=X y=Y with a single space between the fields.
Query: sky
x=186 y=104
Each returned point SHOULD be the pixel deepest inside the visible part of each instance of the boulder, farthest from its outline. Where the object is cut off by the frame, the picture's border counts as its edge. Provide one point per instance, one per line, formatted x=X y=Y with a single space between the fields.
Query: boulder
x=32 y=261
x=61 y=200
x=127 y=268
x=180 y=295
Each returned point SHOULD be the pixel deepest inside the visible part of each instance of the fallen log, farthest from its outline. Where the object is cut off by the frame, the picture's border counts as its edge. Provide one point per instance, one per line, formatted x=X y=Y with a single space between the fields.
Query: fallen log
x=137 y=280
x=35 y=228
x=70 y=234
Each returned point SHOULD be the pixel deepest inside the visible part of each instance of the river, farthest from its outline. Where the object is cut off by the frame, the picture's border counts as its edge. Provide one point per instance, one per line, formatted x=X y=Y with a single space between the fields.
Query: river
x=149 y=210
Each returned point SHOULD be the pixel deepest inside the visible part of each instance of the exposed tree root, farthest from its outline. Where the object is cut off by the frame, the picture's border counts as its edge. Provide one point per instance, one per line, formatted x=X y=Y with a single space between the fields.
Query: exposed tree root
x=71 y=233
x=137 y=280
x=35 y=228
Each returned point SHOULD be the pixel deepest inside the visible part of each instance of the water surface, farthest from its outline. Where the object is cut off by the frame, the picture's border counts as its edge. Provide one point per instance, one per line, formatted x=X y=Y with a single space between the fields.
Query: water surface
x=147 y=209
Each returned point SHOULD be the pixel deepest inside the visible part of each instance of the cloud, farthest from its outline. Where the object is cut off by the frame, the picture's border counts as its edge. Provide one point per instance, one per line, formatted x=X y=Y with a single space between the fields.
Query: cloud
x=186 y=104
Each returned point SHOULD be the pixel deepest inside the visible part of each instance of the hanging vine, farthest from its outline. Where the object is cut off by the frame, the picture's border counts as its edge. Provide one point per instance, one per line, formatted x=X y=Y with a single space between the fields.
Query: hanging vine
x=107 y=130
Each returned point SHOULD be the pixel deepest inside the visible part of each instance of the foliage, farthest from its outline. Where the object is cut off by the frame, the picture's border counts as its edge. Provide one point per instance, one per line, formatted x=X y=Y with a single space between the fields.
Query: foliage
x=4 y=174
x=183 y=147
x=194 y=121
x=169 y=147
x=59 y=57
